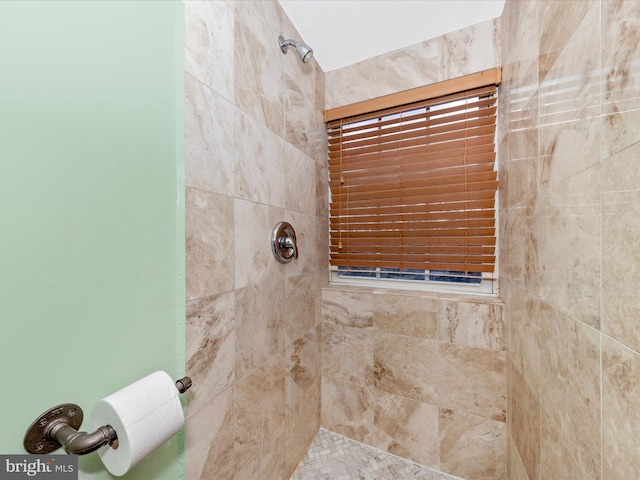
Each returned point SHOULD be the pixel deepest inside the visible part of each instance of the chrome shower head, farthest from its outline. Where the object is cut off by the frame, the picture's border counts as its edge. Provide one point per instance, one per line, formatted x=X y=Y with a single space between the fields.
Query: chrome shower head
x=304 y=51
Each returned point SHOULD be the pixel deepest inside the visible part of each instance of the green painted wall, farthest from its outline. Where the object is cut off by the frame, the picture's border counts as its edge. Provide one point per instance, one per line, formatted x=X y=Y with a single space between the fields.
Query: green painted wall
x=91 y=209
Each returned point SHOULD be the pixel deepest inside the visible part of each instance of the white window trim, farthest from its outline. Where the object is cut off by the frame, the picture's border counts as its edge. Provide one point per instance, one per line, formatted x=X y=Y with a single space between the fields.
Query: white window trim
x=488 y=287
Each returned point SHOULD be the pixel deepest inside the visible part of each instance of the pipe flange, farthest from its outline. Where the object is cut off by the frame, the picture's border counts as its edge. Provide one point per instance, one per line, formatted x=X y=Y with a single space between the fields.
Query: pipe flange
x=283 y=242
x=36 y=439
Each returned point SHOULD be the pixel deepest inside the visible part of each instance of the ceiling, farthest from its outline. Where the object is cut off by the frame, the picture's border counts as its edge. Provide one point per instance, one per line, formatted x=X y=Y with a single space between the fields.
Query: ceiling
x=343 y=32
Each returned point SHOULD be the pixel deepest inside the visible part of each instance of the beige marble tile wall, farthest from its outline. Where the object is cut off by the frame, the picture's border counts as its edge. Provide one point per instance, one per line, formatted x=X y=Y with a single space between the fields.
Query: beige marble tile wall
x=418 y=375
x=255 y=155
x=570 y=257
x=465 y=51
x=422 y=376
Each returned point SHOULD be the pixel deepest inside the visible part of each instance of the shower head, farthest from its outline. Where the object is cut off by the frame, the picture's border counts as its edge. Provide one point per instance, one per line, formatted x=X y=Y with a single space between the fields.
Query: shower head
x=304 y=51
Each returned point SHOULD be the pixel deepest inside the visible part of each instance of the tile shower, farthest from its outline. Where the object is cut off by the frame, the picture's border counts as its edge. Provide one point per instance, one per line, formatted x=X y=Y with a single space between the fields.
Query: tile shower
x=276 y=353
x=254 y=152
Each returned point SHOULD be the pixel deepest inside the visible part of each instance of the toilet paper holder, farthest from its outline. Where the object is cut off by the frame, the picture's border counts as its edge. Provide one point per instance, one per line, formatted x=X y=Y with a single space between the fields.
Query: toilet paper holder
x=58 y=427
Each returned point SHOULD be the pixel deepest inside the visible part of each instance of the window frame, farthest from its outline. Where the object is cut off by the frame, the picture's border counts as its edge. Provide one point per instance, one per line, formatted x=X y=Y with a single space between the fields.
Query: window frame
x=489 y=284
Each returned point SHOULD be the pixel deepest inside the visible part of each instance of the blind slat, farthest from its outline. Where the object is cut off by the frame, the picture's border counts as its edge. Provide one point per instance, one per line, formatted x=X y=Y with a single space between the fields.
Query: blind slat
x=418 y=216
x=464 y=120
x=405 y=173
x=453 y=148
x=425 y=193
x=387 y=183
x=369 y=244
x=341 y=130
x=439 y=202
x=458 y=149
x=416 y=163
x=382 y=257
x=478 y=135
x=408 y=264
x=426 y=233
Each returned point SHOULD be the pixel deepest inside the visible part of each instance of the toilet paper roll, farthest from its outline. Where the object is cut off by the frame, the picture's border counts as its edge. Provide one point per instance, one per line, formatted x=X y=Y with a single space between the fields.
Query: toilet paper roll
x=144 y=414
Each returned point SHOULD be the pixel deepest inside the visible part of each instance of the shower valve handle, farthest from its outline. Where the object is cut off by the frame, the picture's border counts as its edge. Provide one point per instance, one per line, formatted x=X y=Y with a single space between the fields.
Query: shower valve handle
x=283 y=242
x=290 y=243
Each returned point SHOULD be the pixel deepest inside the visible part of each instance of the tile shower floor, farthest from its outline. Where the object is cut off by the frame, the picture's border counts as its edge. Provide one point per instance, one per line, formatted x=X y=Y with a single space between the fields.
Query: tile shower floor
x=334 y=457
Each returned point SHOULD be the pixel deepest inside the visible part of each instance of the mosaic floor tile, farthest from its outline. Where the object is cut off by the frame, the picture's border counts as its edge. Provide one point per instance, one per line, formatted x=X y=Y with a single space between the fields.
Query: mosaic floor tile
x=334 y=457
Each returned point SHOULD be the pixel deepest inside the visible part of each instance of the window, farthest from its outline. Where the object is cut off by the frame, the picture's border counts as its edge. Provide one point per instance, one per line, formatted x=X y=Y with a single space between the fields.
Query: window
x=413 y=187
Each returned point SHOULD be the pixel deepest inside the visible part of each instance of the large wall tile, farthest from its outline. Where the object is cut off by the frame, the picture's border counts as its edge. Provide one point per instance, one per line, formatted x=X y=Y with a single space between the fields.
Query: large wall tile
x=519 y=93
x=412 y=315
x=347 y=409
x=469 y=50
x=265 y=20
x=620 y=31
x=569 y=98
x=472 y=380
x=209 y=45
x=567 y=227
x=302 y=304
x=407 y=428
x=477 y=324
x=209 y=147
x=524 y=336
x=407 y=366
x=259 y=324
x=258 y=74
x=348 y=307
x=304 y=125
x=254 y=260
x=570 y=369
x=472 y=447
x=522 y=245
x=515 y=468
x=620 y=179
x=410 y=67
x=259 y=164
x=300 y=178
x=209 y=254
x=211 y=346
x=302 y=397
x=523 y=172
x=210 y=440
x=557 y=159
x=260 y=419
x=520 y=40
x=524 y=423
x=351 y=84
x=348 y=354
x=620 y=413
x=322 y=193
x=565 y=17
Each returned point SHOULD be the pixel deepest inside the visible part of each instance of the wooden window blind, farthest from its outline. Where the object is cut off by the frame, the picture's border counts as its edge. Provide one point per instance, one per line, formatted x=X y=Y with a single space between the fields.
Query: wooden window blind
x=413 y=186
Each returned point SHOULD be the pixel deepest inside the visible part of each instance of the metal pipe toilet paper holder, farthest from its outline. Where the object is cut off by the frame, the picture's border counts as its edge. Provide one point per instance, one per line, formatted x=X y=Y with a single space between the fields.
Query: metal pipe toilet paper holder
x=58 y=427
